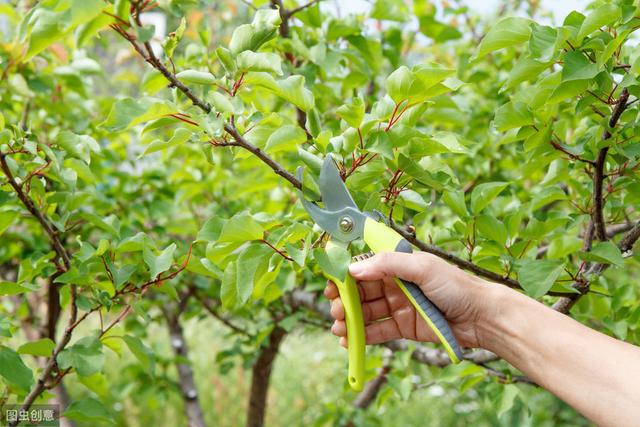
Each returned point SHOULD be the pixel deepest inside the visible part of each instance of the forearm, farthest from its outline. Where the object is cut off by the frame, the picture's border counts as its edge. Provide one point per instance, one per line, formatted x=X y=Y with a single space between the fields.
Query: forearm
x=596 y=374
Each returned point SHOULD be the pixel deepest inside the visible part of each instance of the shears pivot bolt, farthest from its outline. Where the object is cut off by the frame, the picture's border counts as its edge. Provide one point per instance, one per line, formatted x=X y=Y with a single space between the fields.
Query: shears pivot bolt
x=346 y=224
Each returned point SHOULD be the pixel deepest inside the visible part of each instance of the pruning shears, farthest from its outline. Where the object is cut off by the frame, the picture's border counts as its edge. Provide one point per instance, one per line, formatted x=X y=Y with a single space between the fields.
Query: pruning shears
x=344 y=223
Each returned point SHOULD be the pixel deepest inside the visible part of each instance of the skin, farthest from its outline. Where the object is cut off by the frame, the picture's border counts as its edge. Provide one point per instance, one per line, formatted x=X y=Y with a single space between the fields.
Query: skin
x=597 y=375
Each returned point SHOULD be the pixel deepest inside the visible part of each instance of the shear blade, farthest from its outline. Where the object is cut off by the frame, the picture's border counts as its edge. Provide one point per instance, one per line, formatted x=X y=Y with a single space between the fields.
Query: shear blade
x=335 y=195
x=342 y=206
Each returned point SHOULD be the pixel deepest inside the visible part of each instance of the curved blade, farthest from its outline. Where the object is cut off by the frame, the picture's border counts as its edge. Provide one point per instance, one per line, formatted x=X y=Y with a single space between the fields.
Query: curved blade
x=335 y=195
x=329 y=221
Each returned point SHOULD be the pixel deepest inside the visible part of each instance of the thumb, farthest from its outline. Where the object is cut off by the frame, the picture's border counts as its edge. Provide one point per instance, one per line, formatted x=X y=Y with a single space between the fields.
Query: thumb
x=411 y=267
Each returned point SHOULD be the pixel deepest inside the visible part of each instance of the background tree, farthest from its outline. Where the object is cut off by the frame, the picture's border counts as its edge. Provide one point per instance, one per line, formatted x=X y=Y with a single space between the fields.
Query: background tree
x=153 y=249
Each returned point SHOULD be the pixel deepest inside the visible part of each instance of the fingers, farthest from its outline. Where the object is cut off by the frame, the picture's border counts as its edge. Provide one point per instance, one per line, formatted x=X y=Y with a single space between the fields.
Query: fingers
x=372 y=310
x=331 y=290
x=411 y=267
x=369 y=290
x=383 y=331
x=377 y=332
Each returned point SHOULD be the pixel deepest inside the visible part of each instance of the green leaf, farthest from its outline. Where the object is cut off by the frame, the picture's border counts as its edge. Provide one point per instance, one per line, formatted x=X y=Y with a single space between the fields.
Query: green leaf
x=602 y=16
x=509 y=393
x=251 y=36
x=145 y=33
x=291 y=89
x=51 y=22
x=220 y=102
x=80 y=146
x=537 y=276
x=286 y=138
x=120 y=275
x=211 y=229
x=334 y=261
x=399 y=83
x=455 y=200
x=197 y=77
x=253 y=260
x=352 y=113
x=171 y=42
x=379 y=142
x=512 y=115
x=525 y=69
x=604 y=252
x=13 y=369
x=42 y=347
x=241 y=227
x=11 y=288
x=252 y=61
x=483 y=194
x=438 y=179
x=143 y=353
x=229 y=287
x=578 y=67
x=417 y=85
x=390 y=10
x=568 y=90
x=6 y=219
x=546 y=196
x=490 y=227
x=507 y=32
x=160 y=263
x=542 y=42
x=129 y=112
x=180 y=136
x=226 y=59
x=85 y=356
x=88 y=410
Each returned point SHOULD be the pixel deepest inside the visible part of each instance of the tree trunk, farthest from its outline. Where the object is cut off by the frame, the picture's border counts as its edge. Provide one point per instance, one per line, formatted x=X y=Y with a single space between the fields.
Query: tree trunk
x=192 y=408
x=261 y=374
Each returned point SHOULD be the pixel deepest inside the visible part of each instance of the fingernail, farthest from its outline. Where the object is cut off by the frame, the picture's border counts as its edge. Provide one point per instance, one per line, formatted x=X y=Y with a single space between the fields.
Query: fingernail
x=356 y=268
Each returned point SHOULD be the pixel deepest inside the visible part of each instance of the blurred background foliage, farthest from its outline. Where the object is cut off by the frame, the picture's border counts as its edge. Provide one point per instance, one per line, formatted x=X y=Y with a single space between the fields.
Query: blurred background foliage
x=190 y=262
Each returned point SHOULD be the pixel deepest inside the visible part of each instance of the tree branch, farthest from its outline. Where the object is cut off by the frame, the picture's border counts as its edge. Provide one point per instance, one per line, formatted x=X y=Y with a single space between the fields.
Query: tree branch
x=186 y=381
x=295 y=10
x=597 y=216
x=565 y=304
x=372 y=388
x=213 y=312
x=260 y=376
x=62 y=254
x=240 y=141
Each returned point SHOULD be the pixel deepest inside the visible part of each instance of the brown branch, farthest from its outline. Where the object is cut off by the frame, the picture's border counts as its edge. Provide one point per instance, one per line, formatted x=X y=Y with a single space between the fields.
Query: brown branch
x=625 y=245
x=151 y=58
x=260 y=376
x=189 y=392
x=508 y=378
x=295 y=10
x=597 y=216
x=462 y=263
x=62 y=254
x=372 y=388
x=276 y=250
x=214 y=312
x=49 y=228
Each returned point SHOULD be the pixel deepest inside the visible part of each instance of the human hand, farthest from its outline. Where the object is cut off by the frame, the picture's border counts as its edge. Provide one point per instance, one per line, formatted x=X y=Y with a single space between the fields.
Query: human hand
x=389 y=315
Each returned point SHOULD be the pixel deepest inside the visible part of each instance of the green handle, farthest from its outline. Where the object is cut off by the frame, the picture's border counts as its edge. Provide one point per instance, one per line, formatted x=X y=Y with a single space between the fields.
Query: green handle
x=355 y=328
x=381 y=238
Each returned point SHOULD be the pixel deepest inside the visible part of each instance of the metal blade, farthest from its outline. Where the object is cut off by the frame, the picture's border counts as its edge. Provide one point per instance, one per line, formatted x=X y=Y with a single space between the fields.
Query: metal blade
x=335 y=195
x=330 y=221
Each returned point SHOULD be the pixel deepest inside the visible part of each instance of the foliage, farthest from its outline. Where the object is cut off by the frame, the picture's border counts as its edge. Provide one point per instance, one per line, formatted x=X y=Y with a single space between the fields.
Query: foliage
x=138 y=186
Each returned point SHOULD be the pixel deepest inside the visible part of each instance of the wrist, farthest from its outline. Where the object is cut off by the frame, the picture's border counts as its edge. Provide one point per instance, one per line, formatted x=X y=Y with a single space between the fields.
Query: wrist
x=499 y=322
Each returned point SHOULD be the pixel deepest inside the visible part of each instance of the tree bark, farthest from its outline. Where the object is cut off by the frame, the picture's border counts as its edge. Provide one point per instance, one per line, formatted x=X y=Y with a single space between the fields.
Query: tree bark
x=192 y=408
x=260 y=376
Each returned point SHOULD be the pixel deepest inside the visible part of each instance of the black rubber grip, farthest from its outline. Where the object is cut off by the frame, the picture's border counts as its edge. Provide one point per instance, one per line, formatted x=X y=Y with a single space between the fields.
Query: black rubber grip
x=428 y=307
